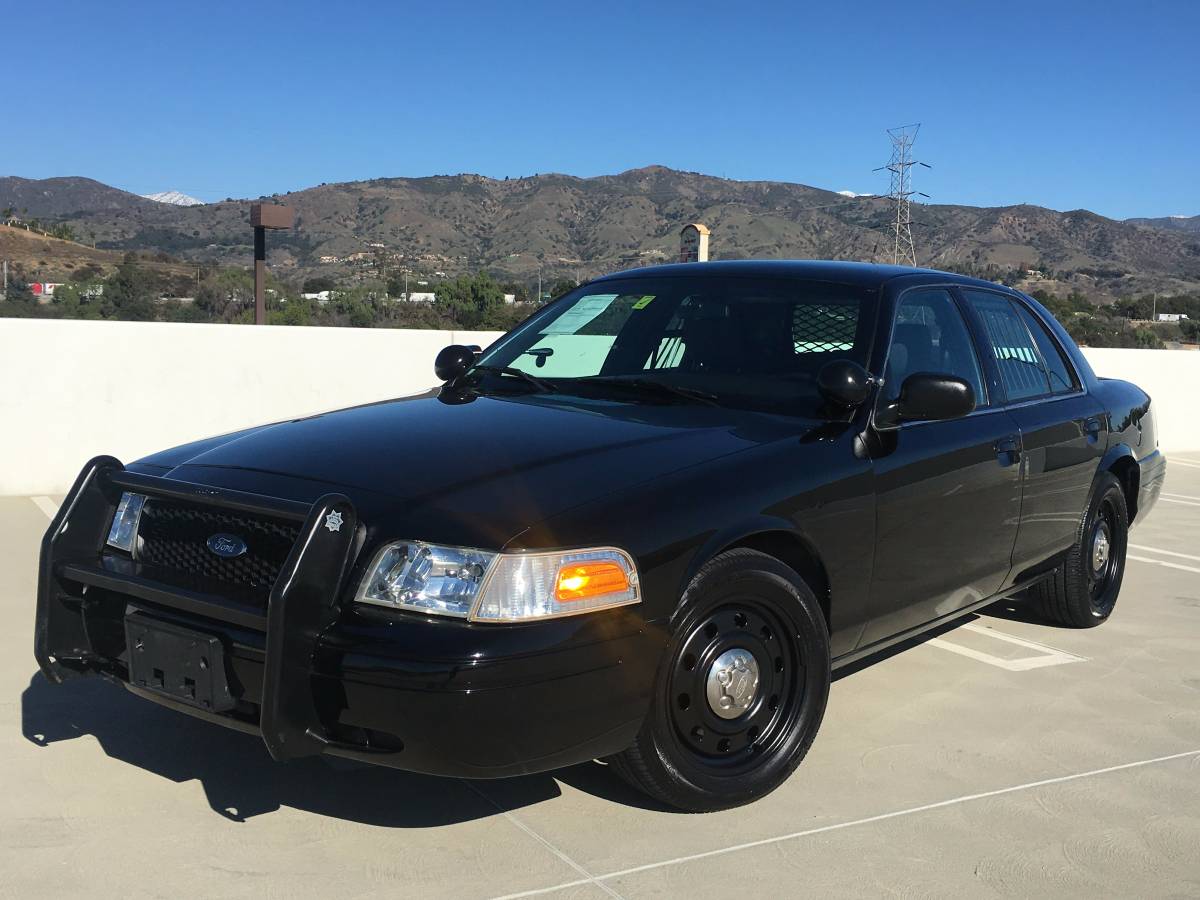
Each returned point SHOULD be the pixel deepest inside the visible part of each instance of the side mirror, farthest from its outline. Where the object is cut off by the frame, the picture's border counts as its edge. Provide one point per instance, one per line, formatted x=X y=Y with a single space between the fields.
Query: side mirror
x=844 y=383
x=453 y=361
x=927 y=396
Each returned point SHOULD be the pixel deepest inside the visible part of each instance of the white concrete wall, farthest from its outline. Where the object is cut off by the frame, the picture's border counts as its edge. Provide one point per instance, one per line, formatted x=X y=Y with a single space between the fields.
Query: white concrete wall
x=1171 y=378
x=71 y=390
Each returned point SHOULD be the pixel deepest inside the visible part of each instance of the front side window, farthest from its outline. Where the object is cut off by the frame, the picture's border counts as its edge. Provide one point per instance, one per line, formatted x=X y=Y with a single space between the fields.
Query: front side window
x=1021 y=369
x=749 y=342
x=931 y=336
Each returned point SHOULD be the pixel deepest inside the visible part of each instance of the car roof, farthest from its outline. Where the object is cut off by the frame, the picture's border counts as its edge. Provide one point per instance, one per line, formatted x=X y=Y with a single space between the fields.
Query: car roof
x=856 y=273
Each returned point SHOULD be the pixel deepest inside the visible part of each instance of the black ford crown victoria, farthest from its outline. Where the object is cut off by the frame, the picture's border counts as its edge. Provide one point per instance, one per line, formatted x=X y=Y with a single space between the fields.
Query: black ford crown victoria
x=644 y=526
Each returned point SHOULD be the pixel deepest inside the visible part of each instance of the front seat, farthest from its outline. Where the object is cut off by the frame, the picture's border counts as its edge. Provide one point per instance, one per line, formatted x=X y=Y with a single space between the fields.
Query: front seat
x=912 y=351
x=710 y=344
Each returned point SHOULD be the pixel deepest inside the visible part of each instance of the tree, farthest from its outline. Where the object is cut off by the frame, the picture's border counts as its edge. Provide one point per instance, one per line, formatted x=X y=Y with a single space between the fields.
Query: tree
x=562 y=286
x=224 y=294
x=1147 y=339
x=294 y=312
x=87 y=272
x=18 y=290
x=472 y=301
x=395 y=285
x=317 y=284
x=131 y=291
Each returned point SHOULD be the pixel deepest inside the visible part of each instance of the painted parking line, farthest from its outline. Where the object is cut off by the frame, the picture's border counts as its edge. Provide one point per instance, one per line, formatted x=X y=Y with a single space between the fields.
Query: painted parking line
x=1184 y=462
x=1150 y=549
x=46 y=505
x=1046 y=656
x=588 y=877
x=1163 y=562
x=838 y=826
x=1180 y=502
x=1179 y=496
x=1145 y=548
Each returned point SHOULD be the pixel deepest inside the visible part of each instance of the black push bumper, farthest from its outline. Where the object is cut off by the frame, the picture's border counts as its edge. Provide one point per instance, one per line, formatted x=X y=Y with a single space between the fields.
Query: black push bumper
x=313 y=674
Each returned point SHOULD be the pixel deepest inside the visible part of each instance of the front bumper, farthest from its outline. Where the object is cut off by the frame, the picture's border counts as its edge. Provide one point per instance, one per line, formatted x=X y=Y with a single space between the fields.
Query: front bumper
x=313 y=674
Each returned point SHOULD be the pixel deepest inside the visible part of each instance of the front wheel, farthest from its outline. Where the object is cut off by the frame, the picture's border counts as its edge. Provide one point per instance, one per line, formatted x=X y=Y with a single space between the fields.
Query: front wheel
x=1083 y=592
x=741 y=690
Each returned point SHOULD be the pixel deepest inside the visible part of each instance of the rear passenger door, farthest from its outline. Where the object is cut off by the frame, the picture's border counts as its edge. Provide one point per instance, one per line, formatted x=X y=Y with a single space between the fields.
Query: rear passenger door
x=1063 y=428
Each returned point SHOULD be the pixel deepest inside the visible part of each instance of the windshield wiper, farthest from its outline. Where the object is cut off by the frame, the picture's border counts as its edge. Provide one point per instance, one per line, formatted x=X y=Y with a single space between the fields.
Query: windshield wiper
x=541 y=384
x=658 y=387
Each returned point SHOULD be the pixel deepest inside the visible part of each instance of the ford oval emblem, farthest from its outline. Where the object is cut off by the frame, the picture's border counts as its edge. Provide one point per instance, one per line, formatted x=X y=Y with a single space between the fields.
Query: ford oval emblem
x=227 y=546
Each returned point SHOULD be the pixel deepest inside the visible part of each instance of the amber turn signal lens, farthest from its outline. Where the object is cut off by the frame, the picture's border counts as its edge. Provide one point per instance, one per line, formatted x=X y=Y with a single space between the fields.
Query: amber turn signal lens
x=578 y=582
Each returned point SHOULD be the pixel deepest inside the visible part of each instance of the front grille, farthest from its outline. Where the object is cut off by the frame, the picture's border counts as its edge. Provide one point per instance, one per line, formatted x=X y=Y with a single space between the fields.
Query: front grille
x=173 y=537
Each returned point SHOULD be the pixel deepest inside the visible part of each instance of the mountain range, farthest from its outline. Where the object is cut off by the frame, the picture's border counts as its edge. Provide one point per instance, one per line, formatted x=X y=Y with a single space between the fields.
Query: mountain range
x=1174 y=223
x=562 y=225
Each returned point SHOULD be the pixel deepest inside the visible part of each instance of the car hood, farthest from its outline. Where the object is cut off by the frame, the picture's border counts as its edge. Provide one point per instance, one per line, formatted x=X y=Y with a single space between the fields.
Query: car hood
x=475 y=469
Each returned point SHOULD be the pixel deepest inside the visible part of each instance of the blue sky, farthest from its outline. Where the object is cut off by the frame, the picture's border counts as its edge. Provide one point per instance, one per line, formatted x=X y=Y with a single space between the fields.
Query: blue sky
x=1062 y=104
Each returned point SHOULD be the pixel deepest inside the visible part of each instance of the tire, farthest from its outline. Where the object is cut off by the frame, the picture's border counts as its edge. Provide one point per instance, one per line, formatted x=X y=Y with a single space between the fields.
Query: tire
x=1083 y=592
x=741 y=689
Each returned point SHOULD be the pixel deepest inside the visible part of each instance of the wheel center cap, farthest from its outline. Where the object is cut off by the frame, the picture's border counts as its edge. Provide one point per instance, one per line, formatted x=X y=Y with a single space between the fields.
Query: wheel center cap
x=1100 y=550
x=732 y=683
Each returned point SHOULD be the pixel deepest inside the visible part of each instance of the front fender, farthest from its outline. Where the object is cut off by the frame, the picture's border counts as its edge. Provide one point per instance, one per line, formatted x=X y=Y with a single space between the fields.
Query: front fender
x=745 y=532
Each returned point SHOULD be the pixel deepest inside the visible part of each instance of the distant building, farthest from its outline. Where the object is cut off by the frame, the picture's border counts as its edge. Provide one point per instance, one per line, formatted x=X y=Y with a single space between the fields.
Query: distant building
x=693 y=243
x=510 y=298
x=1171 y=317
x=422 y=297
x=44 y=290
x=319 y=296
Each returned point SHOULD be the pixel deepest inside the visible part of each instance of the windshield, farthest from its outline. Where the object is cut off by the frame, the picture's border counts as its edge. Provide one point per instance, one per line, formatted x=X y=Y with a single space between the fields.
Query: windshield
x=748 y=342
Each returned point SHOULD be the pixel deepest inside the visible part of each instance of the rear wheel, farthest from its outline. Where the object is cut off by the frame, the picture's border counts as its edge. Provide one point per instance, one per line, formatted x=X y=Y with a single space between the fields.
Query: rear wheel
x=1083 y=592
x=741 y=690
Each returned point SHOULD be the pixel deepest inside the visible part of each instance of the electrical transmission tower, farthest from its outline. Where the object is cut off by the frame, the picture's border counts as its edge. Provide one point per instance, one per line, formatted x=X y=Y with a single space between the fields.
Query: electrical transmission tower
x=904 y=252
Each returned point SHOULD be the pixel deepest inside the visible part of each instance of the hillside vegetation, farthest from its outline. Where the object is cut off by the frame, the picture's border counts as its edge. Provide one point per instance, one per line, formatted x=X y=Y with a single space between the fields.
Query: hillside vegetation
x=566 y=226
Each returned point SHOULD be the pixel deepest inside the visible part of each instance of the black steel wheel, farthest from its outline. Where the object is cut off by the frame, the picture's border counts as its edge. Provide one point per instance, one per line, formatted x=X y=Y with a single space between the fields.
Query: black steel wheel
x=1083 y=592
x=735 y=682
x=741 y=690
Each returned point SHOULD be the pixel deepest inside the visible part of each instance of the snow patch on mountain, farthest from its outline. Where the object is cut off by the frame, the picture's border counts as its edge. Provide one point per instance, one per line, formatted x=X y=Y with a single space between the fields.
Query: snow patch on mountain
x=175 y=198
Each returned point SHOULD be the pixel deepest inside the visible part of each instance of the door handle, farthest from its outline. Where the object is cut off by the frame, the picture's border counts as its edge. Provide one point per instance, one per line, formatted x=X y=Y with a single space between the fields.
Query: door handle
x=1008 y=450
x=1093 y=428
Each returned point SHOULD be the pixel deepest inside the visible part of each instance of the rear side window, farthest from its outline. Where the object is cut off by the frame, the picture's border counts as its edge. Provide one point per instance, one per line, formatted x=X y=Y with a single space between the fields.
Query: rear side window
x=1062 y=381
x=1017 y=356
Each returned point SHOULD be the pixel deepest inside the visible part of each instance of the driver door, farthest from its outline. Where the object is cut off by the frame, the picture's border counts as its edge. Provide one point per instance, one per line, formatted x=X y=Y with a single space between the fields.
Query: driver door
x=948 y=492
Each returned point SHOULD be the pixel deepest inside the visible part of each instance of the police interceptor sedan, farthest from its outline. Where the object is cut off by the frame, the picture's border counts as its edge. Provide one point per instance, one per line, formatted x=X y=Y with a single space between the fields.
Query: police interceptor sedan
x=644 y=526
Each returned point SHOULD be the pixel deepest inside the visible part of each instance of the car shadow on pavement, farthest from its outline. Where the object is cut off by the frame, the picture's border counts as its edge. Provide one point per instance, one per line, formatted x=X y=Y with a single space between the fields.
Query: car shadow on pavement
x=1015 y=611
x=240 y=779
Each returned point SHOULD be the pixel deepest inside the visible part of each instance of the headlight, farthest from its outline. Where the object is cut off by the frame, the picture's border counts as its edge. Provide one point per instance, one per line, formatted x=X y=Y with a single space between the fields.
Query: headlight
x=423 y=577
x=123 y=531
x=495 y=587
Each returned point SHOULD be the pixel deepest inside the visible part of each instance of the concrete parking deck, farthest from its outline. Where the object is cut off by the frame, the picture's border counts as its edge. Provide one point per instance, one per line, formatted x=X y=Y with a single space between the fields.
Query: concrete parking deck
x=1005 y=756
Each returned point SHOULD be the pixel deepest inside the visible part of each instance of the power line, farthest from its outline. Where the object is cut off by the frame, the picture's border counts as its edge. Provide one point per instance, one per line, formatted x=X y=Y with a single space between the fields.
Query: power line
x=903 y=250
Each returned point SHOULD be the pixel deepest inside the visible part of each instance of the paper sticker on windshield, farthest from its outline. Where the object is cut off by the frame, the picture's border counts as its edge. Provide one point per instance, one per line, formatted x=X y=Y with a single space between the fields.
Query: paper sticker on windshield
x=580 y=314
x=644 y=302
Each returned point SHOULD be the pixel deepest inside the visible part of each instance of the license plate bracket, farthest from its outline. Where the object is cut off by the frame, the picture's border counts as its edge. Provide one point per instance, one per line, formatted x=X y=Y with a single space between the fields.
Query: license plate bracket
x=185 y=665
